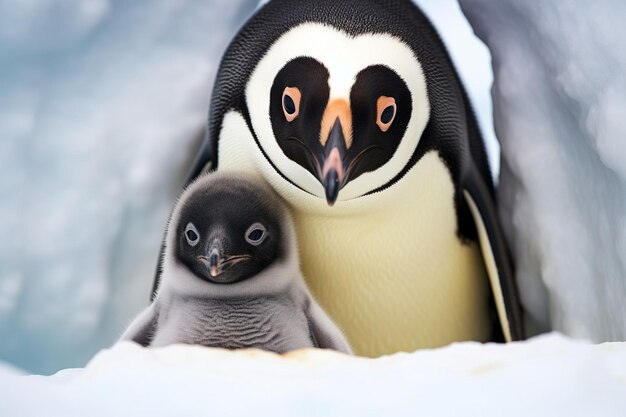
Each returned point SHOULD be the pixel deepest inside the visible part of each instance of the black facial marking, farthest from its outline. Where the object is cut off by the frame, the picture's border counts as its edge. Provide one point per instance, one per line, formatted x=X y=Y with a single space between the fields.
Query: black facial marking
x=300 y=139
x=223 y=214
x=372 y=148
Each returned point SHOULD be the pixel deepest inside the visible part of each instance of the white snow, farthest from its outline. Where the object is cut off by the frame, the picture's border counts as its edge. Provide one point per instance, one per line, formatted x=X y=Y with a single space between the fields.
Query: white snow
x=560 y=100
x=548 y=376
x=101 y=106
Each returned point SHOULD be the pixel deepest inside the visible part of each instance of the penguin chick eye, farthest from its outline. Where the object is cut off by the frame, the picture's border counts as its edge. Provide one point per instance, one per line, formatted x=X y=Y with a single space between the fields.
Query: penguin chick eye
x=255 y=235
x=192 y=235
x=386 y=112
x=291 y=103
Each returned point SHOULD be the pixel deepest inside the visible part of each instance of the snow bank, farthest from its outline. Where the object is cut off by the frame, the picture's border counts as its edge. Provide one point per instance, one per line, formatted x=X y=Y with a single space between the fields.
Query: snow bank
x=559 y=101
x=548 y=376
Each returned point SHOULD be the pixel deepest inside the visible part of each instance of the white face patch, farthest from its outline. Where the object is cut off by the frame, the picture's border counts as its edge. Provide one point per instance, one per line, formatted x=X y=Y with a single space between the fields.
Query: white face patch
x=344 y=56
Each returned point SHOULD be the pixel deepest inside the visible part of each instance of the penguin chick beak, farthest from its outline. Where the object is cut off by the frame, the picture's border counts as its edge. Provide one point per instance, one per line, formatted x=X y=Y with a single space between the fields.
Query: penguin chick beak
x=333 y=171
x=214 y=262
x=217 y=264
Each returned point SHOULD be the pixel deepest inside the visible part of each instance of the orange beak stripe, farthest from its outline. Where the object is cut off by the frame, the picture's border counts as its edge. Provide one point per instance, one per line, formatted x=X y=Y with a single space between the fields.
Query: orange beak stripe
x=338 y=108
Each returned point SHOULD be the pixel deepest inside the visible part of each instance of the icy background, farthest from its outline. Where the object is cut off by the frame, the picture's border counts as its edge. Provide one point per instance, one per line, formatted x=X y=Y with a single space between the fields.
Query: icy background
x=102 y=104
x=550 y=376
x=560 y=114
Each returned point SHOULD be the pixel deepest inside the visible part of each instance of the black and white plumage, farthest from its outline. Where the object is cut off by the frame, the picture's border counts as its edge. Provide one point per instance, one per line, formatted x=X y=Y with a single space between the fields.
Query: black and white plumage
x=231 y=276
x=355 y=115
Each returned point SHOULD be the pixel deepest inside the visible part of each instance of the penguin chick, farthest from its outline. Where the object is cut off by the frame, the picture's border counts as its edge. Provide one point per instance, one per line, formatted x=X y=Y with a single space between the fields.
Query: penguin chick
x=231 y=275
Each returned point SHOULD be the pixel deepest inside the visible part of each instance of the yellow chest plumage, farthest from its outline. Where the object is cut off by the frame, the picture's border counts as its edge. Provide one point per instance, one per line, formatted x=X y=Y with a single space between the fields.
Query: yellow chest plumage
x=398 y=278
x=389 y=267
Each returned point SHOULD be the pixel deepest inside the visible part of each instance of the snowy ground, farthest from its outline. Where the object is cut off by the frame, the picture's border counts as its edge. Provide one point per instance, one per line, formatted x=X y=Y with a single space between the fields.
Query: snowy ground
x=101 y=106
x=548 y=376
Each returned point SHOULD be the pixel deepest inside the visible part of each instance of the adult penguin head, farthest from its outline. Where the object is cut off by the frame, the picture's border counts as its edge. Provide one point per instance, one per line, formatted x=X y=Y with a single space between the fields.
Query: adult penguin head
x=338 y=115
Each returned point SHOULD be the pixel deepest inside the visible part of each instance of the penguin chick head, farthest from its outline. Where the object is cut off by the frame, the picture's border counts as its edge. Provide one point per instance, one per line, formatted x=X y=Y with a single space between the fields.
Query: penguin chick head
x=227 y=229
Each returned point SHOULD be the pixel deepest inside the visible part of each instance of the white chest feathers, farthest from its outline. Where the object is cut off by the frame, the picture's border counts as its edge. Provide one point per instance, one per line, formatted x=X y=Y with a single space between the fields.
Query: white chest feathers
x=388 y=267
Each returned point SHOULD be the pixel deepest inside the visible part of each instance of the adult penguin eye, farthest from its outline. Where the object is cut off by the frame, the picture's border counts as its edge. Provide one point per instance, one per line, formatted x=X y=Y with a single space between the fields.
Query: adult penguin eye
x=386 y=112
x=192 y=235
x=255 y=235
x=291 y=103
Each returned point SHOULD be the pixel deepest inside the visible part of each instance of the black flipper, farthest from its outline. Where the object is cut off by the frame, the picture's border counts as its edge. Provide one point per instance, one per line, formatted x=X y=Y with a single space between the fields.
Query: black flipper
x=493 y=248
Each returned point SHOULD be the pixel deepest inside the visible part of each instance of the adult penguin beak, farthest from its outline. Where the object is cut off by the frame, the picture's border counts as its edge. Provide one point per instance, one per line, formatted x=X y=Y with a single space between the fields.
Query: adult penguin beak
x=333 y=172
x=333 y=169
x=215 y=259
x=336 y=139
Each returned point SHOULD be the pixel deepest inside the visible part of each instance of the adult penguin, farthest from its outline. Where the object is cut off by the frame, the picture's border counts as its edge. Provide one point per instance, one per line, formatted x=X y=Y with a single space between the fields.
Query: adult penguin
x=353 y=112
